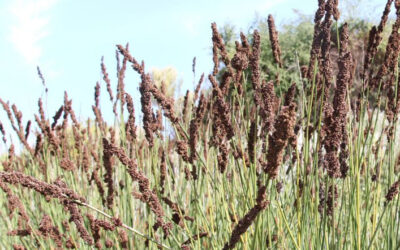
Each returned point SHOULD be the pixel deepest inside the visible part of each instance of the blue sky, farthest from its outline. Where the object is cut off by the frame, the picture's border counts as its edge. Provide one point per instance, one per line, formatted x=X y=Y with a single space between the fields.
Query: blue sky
x=67 y=39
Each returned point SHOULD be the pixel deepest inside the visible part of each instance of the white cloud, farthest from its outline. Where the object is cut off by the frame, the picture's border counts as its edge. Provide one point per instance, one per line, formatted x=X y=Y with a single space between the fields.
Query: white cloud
x=29 y=26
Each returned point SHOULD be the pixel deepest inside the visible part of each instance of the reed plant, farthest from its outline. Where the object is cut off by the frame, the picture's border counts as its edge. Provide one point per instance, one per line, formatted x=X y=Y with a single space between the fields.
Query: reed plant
x=238 y=166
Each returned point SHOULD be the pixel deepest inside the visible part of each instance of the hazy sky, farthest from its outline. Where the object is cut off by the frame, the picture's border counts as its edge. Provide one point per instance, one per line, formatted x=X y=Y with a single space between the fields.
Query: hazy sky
x=67 y=38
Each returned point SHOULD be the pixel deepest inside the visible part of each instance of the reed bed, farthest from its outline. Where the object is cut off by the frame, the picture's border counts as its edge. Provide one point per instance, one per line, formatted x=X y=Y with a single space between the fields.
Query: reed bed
x=240 y=165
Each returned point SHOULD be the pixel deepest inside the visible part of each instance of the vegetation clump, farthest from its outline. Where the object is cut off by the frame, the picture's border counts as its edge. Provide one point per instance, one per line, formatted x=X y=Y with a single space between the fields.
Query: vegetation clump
x=271 y=156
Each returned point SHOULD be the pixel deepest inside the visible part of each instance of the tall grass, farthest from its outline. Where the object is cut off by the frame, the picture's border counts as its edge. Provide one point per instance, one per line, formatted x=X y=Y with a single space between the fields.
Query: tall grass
x=240 y=166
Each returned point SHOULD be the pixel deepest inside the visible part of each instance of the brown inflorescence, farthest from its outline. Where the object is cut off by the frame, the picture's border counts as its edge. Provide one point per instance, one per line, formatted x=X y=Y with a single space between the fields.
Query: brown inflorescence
x=387 y=69
x=238 y=153
x=243 y=52
x=47 y=229
x=393 y=191
x=57 y=116
x=197 y=90
x=95 y=226
x=167 y=105
x=222 y=127
x=273 y=37
x=194 y=127
x=38 y=144
x=96 y=107
x=108 y=177
x=335 y=116
x=27 y=129
x=325 y=34
x=252 y=141
x=149 y=121
x=19 y=128
x=41 y=77
x=163 y=169
x=121 y=79
x=240 y=60
x=194 y=66
x=58 y=190
x=41 y=110
x=67 y=164
x=254 y=63
x=185 y=105
x=218 y=45
x=221 y=109
x=222 y=157
x=8 y=164
x=18 y=116
x=327 y=203
x=268 y=108
x=317 y=37
x=65 y=225
x=270 y=239
x=18 y=247
x=375 y=38
x=3 y=133
x=70 y=243
x=182 y=149
x=85 y=164
x=48 y=131
x=15 y=203
x=185 y=245
x=95 y=176
x=63 y=129
x=344 y=154
x=109 y=243
x=7 y=109
x=284 y=125
x=245 y=222
x=97 y=95
x=130 y=125
x=77 y=218
x=332 y=201
x=53 y=138
x=69 y=111
x=393 y=107
x=178 y=214
x=148 y=195
x=106 y=79
x=290 y=95
x=70 y=205
x=335 y=9
x=123 y=238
